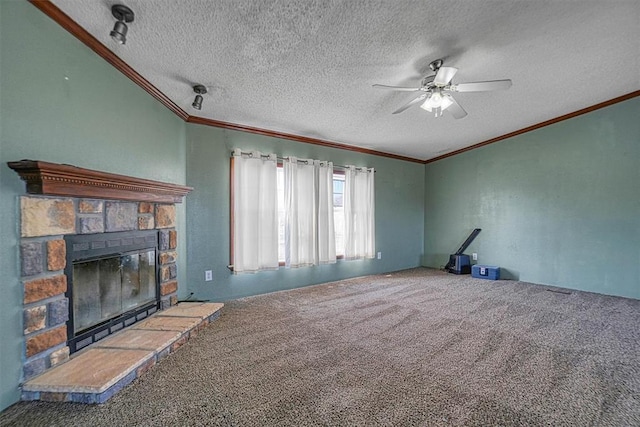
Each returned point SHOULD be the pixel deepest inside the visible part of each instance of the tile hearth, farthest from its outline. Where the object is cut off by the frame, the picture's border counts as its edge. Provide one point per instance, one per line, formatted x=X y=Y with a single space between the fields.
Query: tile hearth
x=94 y=375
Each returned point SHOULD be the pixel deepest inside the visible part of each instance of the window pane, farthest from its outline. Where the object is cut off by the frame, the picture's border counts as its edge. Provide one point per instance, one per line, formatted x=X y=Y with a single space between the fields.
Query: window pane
x=338 y=185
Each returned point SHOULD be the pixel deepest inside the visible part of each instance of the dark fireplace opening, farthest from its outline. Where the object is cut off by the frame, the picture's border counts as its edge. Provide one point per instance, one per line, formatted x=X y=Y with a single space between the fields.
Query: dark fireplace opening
x=111 y=283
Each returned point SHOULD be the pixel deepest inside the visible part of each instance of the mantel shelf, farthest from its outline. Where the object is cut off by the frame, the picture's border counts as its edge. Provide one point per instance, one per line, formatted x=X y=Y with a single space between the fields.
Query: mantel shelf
x=66 y=180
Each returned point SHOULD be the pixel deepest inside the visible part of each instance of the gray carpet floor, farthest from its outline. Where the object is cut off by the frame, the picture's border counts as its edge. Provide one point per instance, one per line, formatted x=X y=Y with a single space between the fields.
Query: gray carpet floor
x=417 y=347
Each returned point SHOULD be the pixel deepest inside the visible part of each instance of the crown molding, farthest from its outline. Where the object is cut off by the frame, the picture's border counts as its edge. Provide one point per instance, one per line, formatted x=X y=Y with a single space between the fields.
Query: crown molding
x=297 y=138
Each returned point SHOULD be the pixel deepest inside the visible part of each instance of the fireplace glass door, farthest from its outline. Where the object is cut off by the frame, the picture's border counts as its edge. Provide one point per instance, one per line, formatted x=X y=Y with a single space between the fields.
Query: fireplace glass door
x=107 y=287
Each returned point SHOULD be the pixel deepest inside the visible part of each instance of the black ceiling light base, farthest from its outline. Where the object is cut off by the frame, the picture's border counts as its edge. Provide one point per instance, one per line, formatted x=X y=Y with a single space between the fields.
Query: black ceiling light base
x=122 y=13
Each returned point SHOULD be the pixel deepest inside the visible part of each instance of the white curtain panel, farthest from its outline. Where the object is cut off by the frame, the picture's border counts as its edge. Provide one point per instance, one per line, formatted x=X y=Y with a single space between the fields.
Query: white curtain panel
x=359 y=210
x=326 y=232
x=255 y=212
x=300 y=212
x=308 y=198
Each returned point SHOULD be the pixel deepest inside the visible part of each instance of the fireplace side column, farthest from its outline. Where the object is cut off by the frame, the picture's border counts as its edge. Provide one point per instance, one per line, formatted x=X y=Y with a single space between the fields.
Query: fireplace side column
x=42 y=262
x=165 y=222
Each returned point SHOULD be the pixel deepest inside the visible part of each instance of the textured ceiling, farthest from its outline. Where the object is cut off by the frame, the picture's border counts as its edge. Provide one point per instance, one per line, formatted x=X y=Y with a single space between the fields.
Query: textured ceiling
x=306 y=67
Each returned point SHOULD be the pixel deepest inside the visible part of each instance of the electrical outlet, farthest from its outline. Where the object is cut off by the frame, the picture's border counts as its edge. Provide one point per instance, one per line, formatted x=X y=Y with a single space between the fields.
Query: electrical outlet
x=208 y=275
x=475 y=256
x=379 y=255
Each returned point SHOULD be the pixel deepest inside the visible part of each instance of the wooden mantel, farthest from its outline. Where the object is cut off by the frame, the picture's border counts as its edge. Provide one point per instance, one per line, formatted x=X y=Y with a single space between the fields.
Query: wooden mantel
x=66 y=180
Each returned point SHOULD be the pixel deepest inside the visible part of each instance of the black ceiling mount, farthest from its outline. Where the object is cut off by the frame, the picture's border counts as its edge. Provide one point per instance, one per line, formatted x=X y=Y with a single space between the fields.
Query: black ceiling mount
x=122 y=13
x=199 y=89
x=435 y=65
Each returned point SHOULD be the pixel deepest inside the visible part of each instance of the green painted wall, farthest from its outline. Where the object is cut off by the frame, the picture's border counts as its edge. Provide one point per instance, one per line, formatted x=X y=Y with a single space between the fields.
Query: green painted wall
x=399 y=215
x=96 y=119
x=557 y=206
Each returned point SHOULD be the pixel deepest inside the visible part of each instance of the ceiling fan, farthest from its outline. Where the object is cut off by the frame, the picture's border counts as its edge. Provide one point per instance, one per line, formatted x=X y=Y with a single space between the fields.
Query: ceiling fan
x=435 y=91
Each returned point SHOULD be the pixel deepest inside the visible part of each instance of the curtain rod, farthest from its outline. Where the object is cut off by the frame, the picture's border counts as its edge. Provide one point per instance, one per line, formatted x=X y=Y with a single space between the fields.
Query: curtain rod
x=306 y=162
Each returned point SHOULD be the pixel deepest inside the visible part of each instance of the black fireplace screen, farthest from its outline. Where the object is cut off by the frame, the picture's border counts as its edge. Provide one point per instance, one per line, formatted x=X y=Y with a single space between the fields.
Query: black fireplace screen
x=105 y=288
x=112 y=283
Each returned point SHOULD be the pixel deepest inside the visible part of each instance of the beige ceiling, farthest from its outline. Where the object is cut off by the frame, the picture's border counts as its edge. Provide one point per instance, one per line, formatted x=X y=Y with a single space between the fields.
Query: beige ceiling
x=307 y=67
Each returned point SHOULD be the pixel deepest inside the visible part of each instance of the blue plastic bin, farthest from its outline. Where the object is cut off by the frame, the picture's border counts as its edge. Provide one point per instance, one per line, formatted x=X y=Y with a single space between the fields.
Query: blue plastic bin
x=490 y=272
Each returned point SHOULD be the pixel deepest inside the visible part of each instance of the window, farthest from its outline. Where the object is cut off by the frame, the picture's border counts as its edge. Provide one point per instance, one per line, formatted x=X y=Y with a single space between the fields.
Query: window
x=338 y=213
x=298 y=212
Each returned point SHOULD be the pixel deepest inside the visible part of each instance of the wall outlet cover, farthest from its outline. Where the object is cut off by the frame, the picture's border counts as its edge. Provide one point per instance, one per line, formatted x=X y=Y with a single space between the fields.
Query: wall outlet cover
x=208 y=275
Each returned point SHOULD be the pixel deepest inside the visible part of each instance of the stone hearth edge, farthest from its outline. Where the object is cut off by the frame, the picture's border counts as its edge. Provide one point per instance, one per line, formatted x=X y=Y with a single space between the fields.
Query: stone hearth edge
x=96 y=374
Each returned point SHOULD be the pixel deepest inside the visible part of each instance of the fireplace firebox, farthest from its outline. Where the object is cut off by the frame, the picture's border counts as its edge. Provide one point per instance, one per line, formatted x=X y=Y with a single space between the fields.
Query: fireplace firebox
x=112 y=283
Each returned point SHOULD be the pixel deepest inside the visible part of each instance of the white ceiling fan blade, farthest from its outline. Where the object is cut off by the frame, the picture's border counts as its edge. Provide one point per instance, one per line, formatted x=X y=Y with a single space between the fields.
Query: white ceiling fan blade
x=482 y=86
x=444 y=75
x=411 y=103
x=455 y=109
x=399 y=88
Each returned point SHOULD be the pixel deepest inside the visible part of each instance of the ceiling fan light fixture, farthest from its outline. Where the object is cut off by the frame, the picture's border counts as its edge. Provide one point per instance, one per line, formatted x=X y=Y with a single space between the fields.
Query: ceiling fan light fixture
x=437 y=100
x=427 y=106
x=437 y=103
x=123 y=15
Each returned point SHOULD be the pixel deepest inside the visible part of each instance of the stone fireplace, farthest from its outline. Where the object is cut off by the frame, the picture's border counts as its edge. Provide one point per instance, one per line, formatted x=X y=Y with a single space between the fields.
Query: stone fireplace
x=97 y=254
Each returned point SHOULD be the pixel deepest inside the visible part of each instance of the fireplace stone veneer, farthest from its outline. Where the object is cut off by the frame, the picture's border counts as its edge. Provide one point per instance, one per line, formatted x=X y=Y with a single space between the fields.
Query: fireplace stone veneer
x=66 y=200
x=44 y=223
